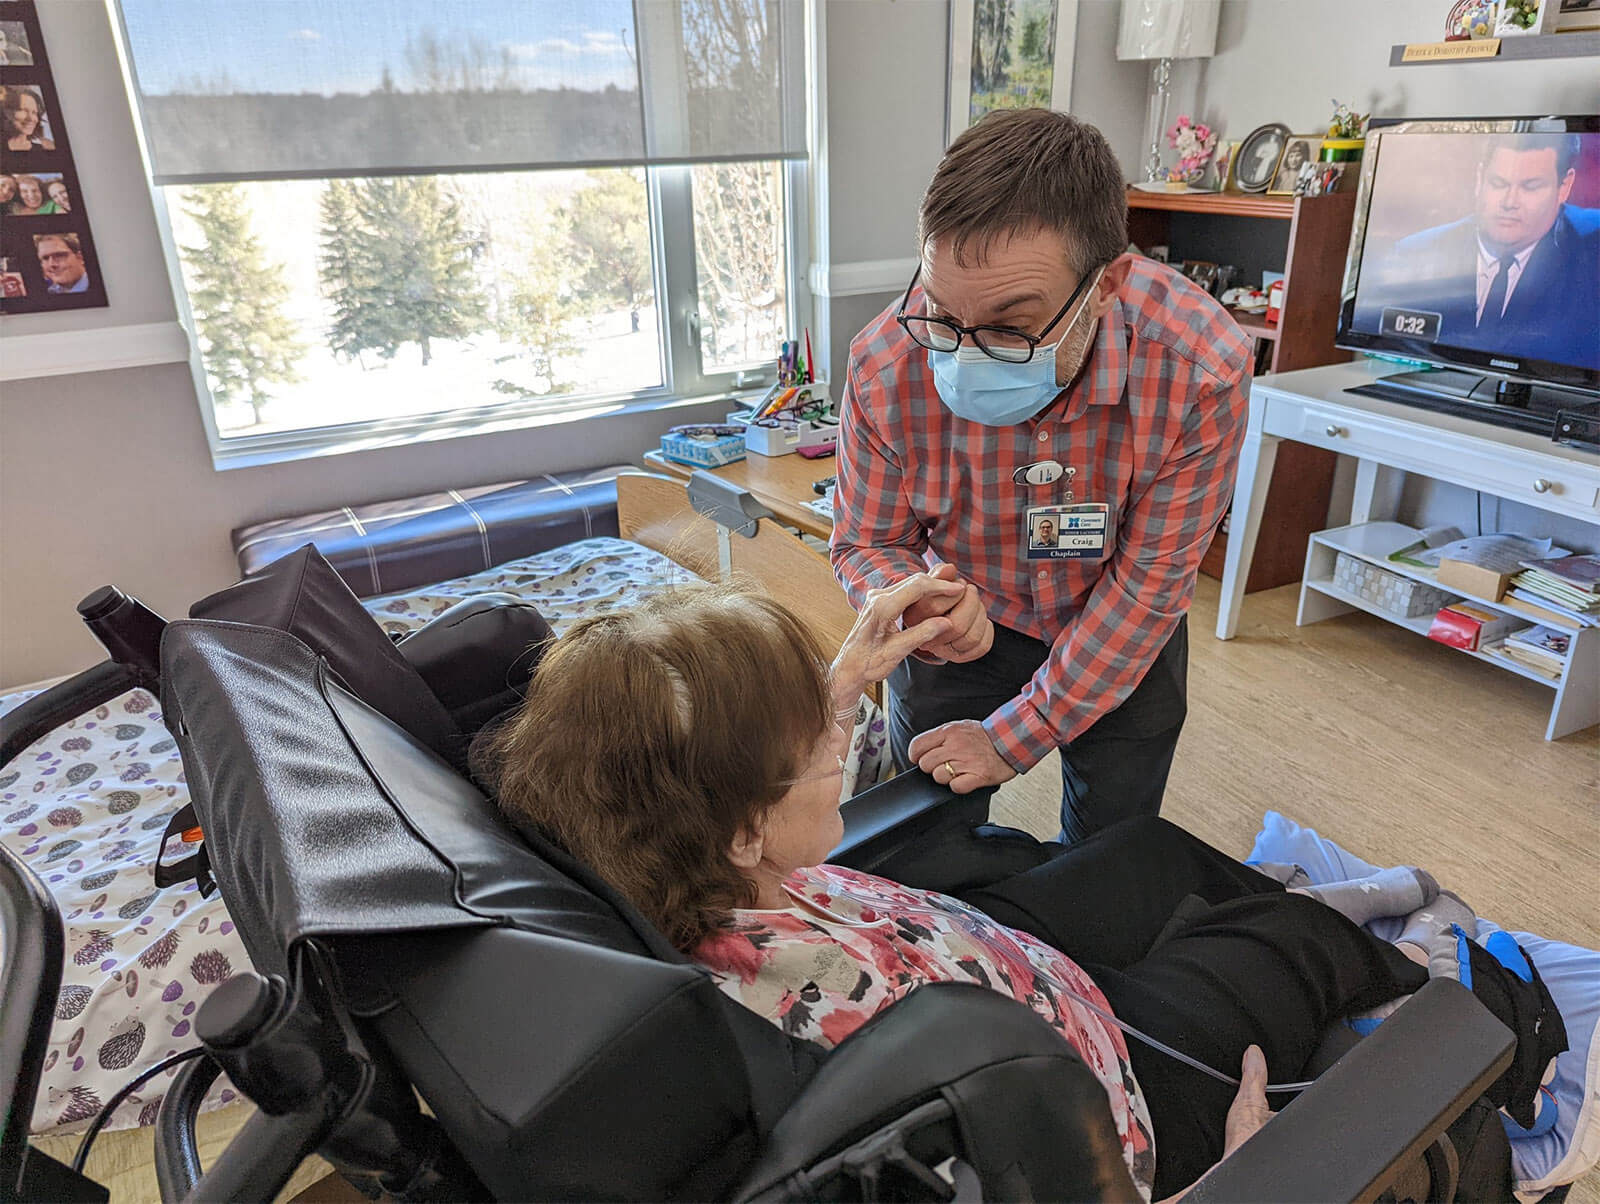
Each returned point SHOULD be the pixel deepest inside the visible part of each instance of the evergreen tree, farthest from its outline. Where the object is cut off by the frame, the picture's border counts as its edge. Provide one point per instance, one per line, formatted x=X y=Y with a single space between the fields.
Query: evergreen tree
x=610 y=222
x=542 y=306
x=247 y=341
x=397 y=266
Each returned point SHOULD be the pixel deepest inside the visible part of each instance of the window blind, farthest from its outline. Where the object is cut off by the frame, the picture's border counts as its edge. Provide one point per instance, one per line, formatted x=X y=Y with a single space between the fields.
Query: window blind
x=297 y=89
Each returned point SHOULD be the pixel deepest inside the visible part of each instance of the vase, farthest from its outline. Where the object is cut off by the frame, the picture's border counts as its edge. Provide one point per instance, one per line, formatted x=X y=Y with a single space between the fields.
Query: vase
x=1341 y=150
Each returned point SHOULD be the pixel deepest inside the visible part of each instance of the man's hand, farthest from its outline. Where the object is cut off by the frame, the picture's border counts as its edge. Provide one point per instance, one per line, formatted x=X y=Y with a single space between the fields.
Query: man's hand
x=971 y=634
x=1249 y=1110
x=885 y=632
x=960 y=755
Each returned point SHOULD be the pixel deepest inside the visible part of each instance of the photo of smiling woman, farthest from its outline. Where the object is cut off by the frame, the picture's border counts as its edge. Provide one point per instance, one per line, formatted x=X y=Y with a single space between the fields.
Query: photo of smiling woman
x=27 y=126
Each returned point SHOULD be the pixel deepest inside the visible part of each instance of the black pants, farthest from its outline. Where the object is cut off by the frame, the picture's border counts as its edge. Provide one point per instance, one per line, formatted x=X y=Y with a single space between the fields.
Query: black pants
x=1116 y=769
x=1204 y=954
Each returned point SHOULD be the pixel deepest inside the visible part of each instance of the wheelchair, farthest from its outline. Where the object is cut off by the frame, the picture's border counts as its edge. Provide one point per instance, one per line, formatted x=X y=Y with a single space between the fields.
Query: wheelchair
x=445 y=1008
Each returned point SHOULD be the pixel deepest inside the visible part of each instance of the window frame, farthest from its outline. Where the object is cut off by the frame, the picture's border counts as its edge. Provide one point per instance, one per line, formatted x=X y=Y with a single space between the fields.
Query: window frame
x=669 y=191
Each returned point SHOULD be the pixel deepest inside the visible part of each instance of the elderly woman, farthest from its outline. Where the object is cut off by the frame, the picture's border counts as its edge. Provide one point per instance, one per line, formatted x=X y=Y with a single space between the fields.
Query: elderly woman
x=690 y=752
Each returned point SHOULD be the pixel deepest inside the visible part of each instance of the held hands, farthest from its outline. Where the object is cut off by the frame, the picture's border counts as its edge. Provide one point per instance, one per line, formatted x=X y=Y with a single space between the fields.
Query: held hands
x=889 y=627
x=971 y=633
x=960 y=755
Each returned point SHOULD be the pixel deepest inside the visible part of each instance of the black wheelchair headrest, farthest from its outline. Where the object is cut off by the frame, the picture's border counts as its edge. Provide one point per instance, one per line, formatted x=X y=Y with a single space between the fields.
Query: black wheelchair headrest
x=539 y=1016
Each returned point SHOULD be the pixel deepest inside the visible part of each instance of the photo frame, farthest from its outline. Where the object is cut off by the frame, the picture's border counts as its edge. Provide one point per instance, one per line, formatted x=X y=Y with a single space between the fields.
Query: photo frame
x=1041 y=36
x=1577 y=14
x=1299 y=151
x=1256 y=163
x=47 y=255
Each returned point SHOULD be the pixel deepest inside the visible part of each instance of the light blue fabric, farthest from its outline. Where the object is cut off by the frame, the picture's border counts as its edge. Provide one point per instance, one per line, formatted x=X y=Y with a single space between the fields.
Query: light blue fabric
x=1572 y=974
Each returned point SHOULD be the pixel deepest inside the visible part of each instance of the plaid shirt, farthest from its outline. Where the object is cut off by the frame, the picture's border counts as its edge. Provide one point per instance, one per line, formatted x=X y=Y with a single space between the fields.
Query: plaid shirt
x=1153 y=428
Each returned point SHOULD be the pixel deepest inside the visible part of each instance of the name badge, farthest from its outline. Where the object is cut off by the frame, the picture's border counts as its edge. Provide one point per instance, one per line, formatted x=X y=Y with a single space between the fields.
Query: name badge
x=1074 y=532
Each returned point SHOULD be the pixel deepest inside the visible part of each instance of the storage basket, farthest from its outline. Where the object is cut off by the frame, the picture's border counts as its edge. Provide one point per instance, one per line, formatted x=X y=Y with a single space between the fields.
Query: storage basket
x=1388 y=591
x=710 y=452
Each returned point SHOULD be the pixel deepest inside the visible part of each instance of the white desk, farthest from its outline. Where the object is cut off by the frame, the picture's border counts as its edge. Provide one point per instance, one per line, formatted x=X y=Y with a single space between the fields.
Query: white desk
x=1389 y=440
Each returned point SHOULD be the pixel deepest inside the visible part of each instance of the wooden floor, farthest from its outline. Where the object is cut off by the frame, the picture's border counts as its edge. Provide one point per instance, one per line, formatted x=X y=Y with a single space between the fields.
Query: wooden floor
x=1402 y=750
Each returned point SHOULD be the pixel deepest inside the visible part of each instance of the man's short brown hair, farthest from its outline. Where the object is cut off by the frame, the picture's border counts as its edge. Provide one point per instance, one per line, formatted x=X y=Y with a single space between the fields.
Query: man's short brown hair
x=1029 y=169
x=68 y=239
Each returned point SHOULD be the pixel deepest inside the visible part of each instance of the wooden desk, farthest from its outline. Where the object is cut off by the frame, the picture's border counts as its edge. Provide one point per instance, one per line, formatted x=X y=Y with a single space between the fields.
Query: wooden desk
x=781 y=483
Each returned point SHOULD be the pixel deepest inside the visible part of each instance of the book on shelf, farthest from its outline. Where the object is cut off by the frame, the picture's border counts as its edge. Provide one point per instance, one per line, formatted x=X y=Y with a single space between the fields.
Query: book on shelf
x=1544 y=665
x=1546 y=610
x=1543 y=639
x=1556 y=590
x=1581 y=573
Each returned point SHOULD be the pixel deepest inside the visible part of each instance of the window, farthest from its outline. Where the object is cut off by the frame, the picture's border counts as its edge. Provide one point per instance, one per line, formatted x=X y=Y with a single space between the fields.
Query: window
x=388 y=211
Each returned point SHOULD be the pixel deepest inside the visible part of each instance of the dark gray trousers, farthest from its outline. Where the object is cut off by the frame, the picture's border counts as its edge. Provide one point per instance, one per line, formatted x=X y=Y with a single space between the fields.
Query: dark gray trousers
x=1115 y=770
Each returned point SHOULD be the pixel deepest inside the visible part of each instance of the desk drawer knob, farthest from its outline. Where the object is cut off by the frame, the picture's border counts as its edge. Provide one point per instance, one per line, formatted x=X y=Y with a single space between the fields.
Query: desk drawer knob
x=1541 y=486
x=1333 y=432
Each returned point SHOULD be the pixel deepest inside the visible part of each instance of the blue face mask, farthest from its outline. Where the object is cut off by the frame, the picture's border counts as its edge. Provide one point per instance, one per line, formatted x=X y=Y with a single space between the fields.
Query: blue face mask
x=981 y=389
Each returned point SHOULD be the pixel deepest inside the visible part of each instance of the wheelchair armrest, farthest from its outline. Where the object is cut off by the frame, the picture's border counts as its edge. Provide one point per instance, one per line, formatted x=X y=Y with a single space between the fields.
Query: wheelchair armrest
x=1022 y=1107
x=881 y=821
x=478 y=655
x=1380 y=1105
x=922 y=834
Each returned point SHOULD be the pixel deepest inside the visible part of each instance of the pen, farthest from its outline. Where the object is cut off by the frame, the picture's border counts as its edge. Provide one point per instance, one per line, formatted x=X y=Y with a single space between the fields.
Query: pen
x=811 y=364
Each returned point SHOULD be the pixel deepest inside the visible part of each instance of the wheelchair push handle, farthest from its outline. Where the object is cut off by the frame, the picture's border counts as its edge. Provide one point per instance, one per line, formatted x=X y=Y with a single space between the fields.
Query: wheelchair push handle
x=128 y=629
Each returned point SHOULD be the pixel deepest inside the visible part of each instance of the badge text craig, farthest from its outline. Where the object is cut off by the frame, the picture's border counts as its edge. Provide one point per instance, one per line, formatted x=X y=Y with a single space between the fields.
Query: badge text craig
x=1028 y=335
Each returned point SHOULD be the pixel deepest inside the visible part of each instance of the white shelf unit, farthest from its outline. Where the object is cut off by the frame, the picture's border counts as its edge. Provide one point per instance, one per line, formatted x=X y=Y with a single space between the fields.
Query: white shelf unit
x=1577 y=690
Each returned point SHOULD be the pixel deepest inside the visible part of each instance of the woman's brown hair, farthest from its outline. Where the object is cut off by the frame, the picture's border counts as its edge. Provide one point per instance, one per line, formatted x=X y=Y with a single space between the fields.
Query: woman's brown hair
x=650 y=738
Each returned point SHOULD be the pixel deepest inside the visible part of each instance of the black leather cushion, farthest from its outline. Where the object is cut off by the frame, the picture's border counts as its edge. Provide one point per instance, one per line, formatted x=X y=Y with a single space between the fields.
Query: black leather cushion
x=384 y=547
x=302 y=595
x=478 y=656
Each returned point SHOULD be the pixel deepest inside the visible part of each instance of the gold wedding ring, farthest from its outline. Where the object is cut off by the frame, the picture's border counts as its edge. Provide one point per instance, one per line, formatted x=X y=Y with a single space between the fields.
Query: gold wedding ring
x=950 y=769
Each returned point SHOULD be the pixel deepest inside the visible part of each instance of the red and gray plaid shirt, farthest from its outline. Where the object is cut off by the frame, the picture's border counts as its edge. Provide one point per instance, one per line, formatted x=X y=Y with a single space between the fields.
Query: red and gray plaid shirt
x=1153 y=428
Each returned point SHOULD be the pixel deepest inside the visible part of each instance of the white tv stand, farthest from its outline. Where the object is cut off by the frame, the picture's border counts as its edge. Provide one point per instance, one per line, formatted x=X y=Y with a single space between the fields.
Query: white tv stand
x=1390 y=440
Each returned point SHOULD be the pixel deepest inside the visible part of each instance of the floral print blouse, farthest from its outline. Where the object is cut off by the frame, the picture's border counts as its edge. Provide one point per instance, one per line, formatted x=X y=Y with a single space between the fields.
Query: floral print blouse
x=850 y=944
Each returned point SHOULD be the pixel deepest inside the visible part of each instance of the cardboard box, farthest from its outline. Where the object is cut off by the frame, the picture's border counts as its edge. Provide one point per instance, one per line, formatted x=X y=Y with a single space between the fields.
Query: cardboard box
x=1464 y=625
x=1474 y=579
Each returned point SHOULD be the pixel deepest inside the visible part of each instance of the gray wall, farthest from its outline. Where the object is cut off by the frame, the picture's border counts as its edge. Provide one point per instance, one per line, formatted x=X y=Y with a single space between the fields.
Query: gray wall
x=1285 y=60
x=106 y=477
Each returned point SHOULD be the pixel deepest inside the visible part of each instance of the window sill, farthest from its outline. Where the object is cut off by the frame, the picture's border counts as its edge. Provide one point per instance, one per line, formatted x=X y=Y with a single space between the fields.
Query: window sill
x=251 y=451
x=96 y=349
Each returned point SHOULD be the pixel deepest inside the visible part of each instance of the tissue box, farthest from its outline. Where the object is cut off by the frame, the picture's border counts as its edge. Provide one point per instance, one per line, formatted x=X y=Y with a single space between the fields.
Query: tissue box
x=709 y=452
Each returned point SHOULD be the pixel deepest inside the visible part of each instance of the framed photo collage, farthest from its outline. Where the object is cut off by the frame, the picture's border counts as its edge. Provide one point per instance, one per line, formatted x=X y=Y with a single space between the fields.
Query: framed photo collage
x=47 y=257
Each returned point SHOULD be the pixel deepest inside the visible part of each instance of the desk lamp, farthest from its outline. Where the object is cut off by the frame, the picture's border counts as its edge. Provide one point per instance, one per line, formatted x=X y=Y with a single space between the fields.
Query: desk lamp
x=1164 y=30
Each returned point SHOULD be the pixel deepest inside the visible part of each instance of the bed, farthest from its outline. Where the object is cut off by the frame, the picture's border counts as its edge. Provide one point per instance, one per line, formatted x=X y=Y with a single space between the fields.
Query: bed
x=86 y=807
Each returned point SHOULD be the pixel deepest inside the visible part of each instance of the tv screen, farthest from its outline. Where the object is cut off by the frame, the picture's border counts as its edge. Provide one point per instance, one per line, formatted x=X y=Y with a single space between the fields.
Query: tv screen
x=1477 y=243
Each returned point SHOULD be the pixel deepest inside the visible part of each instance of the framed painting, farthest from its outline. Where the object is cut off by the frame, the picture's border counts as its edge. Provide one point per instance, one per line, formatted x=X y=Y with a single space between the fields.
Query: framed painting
x=1009 y=54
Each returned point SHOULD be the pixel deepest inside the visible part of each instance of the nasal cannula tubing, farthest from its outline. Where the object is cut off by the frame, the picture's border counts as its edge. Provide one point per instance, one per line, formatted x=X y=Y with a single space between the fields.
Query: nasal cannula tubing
x=1173 y=1053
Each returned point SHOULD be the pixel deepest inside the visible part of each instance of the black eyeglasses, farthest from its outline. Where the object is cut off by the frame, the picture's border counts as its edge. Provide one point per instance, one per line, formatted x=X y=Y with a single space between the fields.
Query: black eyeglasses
x=1005 y=343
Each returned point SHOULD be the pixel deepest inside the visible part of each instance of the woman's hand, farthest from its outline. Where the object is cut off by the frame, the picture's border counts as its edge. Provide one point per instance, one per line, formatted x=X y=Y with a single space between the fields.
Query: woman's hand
x=1249 y=1110
x=1246 y=1115
x=877 y=643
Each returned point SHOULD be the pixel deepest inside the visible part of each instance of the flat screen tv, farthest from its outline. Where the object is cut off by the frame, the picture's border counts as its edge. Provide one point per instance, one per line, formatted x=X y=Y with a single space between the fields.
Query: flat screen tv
x=1476 y=247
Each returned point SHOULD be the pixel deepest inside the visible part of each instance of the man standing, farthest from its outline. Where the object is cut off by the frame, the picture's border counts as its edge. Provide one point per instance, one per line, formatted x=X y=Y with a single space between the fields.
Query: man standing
x=1519 y=276
x=1034 y=369
x=61 y=260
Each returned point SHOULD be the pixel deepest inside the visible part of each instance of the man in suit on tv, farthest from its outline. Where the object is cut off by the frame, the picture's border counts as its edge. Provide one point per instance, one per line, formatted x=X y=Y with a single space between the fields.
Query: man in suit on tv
x=1520 y=276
